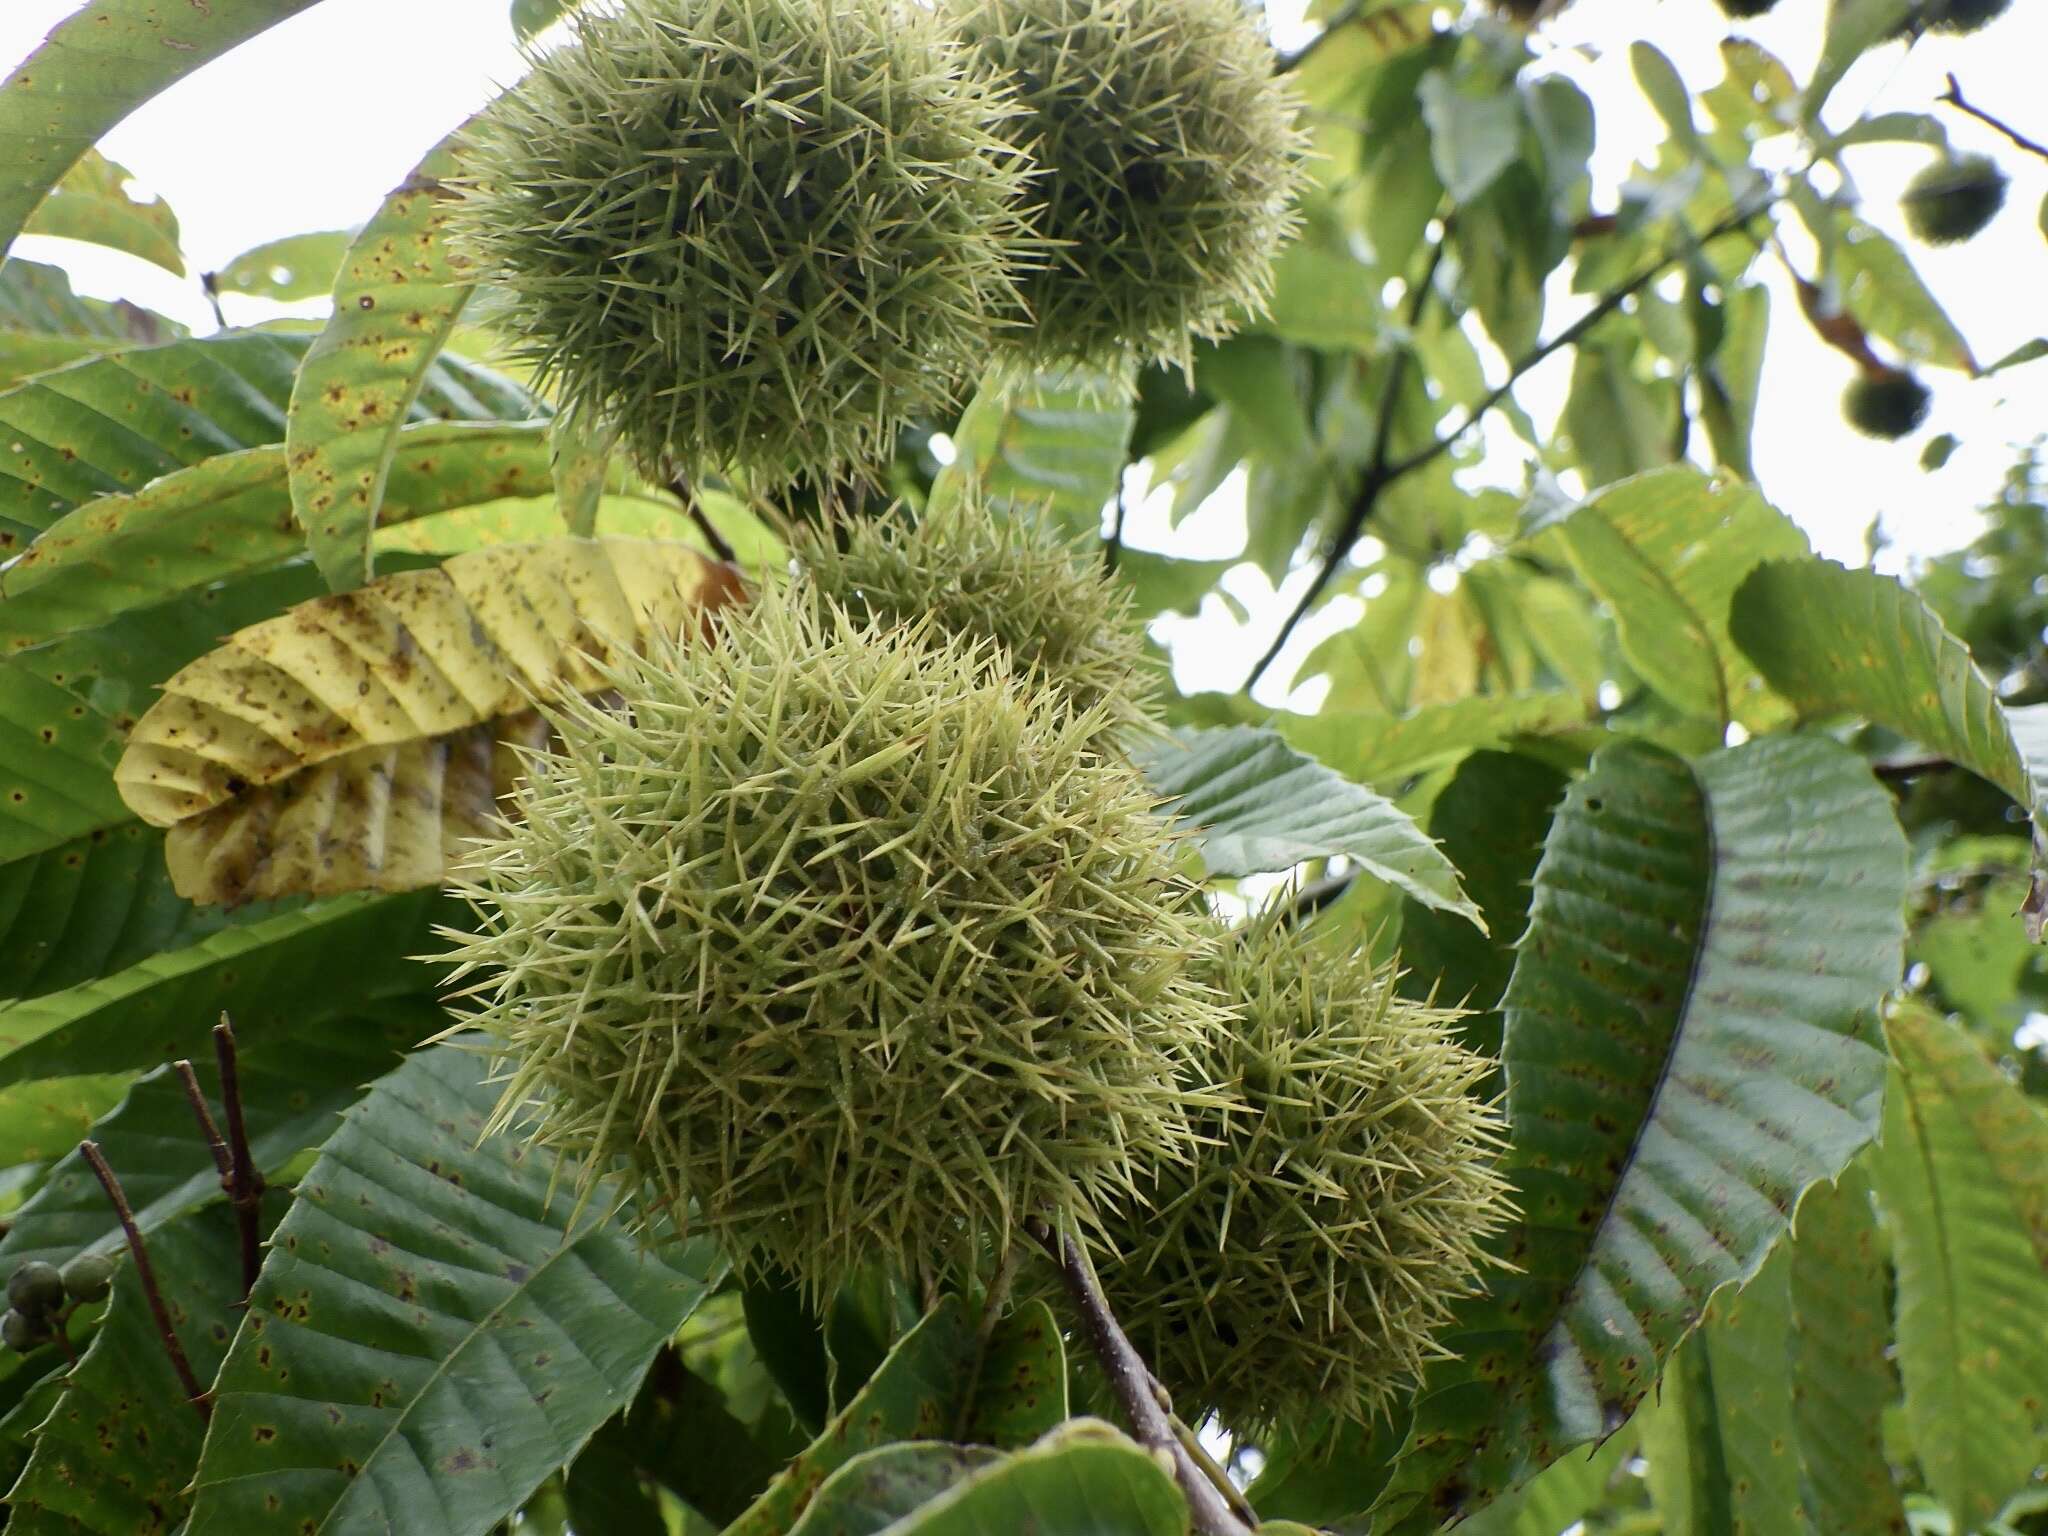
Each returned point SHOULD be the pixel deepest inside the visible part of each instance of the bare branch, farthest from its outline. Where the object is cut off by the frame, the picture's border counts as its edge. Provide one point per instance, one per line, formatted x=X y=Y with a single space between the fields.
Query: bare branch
x=1132 y=1382
x=1377 y=475
x=242 y=1179
x=1384 y=474
x=1954 y=97
x=680 y=487
x=195 y=1394
x=203 y=1113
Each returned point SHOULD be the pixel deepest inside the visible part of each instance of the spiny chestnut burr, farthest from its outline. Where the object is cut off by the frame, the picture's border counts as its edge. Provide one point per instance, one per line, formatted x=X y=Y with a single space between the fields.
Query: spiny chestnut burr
x=1953 y=199
x=996 y=574
x=850 y=946
x=1170 y=162
x=1307 y=1259
x=1888 y=404
x=751 y=235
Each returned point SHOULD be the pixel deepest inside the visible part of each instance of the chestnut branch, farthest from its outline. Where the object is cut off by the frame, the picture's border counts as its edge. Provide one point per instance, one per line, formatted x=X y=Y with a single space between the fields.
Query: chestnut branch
x=1131 y=1380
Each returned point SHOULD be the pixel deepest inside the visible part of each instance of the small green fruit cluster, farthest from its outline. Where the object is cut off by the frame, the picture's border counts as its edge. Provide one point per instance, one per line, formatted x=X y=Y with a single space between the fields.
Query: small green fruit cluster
x=39 y=1292
x=852 y=946
x=1887 y=403
x=1340 y=1207
x=1953 y=199
x=1005 y=576
x=762 y=235
x=1169 y=158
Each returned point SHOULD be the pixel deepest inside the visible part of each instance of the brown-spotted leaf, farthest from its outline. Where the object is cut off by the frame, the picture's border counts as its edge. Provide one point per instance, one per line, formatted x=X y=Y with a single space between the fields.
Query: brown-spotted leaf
x=349 y=742
x=383 y=818
x=397 y=298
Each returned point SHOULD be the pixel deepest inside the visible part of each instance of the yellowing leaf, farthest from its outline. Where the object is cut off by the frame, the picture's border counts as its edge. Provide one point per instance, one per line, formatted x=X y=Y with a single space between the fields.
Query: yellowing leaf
x=352 y=741
x=383 y=818
x=396 y=299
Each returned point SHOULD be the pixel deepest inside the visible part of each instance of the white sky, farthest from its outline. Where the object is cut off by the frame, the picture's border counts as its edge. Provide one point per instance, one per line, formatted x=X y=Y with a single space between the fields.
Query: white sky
x=307 y=126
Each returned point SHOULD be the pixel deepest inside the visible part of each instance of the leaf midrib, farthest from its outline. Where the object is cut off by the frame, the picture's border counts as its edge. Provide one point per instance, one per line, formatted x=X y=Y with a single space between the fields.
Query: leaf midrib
x=570 y=1242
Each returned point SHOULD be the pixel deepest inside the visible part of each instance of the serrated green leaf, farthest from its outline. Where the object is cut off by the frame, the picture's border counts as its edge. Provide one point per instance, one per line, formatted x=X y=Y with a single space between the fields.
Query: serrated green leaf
x=97 y=66
x=41 y=1121
x=1261 y=379
x=1854 y=27
x=1327 y=1473
x=1360 y=39
x=1020 y=1386
x=1472 y=137
x=881 y=1486
x=581 y=460
x=1978 y=959
x=686 y=1437
x=1836 y=641
x=297 y=1078
x=604 y=1492
x=1253 y=804
x=1964 y=1180
x=92 y=905
x=437 y=1326
x=2026 y=351
x=1660 y=81
x=1895 y=128
x=530 y=17
x=56 y=761
x=228 y=516
x=865 y=1317
x=1745 y=1337
x=1730 y=380
x=927 y=1388
x=1508 y=242
x=36 y=303
x=1688 y=1473
x=25 y=354
x=1557 y=1498
x=288 y=270
x=1385 y=749
x=789 y=1336
x=319 y=961
x=1688 y=1047
x=1621 y=424
x=1841 y=1379
x=116 y=1456
x=109 y=426
x=1083 y=1479
x=1323 y=295
x=396 y=299
x=1490 y=821
x=1888 y=298
x=1758 y=94
x=1666 y=551
x=1053 y=441
x=92 y=203
x=29 y=1389
x=1160 y=584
